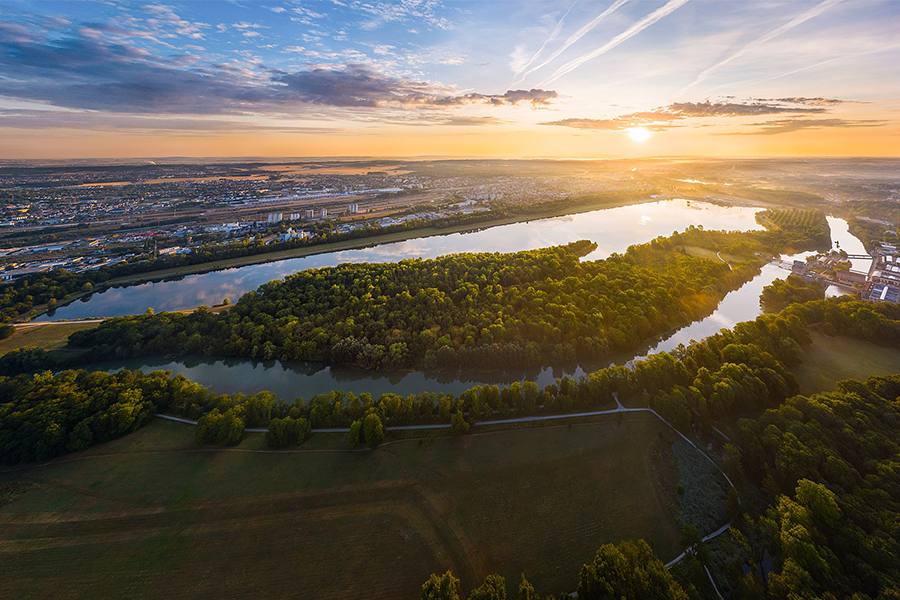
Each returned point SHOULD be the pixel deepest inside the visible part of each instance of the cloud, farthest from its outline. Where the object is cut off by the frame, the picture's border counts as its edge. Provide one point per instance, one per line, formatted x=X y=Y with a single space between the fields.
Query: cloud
x=809 y=101
x=668 y=116
x=85 y=72
x=94 y=121
x=798 y=20
x=665 y=10
x=380 y=13
x=735 y=109
x=520 y=62
x=361 y=86
x=796 y=124
x=576 y=36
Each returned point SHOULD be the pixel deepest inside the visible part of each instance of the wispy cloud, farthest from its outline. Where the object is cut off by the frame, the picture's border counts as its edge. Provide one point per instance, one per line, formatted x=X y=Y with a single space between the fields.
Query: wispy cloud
x=798 y=20
x=666 y=117
x=670 y=7
x=796 y=124
x=584 y=30
x=550 y=38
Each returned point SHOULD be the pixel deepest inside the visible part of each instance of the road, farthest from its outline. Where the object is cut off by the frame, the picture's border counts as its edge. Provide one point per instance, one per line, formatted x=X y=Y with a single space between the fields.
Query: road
x=42 y=323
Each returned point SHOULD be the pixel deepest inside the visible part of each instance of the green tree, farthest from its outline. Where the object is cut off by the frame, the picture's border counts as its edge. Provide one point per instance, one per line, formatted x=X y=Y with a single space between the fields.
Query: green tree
x=373 y=430
x=628 y=570
x=493 y=588
x=441 y=587
x=526 y=590
x=458 y=424
x=355 y=435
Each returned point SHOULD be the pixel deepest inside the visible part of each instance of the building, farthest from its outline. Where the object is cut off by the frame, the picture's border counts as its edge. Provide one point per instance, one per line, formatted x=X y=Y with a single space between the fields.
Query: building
x=294 y=216
x=883 y=284
x=353 y=209
x=881 y=292
x=275 y=218
x=323 y=214
x=309 y=213
x=850 y=277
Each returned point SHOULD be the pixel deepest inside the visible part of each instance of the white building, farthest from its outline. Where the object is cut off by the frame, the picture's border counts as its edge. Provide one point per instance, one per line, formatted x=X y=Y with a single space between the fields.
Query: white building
x=353 y=209
x=274 y=218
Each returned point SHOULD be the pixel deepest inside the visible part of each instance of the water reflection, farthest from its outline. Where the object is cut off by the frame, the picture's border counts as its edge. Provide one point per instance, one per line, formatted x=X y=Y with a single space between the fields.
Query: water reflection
x=612 y=229
x=305 y=379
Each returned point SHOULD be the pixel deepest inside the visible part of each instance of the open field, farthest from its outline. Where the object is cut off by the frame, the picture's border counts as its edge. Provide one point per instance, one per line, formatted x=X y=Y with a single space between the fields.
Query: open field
x=151 y=513
x=48 y=337
x=830 y=359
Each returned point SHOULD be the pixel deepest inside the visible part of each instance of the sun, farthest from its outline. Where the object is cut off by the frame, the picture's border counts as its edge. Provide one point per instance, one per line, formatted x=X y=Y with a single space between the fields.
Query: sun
x=639 y=134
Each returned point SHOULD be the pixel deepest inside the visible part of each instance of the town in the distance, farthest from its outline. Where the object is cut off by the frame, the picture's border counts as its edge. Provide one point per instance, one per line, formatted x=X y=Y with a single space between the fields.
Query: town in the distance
x=450 y=300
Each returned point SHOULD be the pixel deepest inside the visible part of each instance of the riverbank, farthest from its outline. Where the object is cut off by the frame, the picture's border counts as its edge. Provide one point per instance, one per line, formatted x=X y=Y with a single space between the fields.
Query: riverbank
x=398 y=236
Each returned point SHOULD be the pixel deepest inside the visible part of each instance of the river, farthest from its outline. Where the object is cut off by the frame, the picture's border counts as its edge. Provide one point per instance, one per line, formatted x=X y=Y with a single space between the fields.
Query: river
x=613 y=229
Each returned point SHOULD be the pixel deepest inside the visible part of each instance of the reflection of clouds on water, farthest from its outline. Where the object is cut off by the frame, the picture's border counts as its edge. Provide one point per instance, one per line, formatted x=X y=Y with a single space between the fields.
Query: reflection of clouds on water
x=612 y=229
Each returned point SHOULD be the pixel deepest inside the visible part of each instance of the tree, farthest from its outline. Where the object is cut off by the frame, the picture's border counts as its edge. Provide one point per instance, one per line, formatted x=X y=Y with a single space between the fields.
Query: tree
x=355 y=435
x=458 y=424
x=493 y=588
x=373 y=430
x=629 y=570
x=526 y=590
x=441 y=587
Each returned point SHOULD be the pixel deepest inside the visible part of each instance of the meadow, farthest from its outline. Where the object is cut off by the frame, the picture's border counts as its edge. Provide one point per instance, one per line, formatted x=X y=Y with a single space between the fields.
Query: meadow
x=830 y=359
x=151 y=513
x=46 y=337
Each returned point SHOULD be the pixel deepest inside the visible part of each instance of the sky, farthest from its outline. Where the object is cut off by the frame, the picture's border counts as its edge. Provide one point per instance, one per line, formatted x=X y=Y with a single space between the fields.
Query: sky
x=418 y=78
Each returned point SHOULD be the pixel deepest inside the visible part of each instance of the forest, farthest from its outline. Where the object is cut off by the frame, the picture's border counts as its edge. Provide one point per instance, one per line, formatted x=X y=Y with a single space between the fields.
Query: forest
x=818 y=475
x=781 y=292
x=827 y=524
x=483 y=310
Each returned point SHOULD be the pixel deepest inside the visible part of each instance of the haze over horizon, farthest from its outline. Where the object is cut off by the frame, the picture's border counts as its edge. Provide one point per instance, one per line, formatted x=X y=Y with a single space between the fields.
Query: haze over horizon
x=337 y=78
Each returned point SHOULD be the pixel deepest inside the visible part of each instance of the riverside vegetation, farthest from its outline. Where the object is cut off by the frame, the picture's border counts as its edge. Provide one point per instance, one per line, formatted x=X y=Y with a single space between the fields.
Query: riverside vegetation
x=470 y=310
x=818 y=475
x=824 y=467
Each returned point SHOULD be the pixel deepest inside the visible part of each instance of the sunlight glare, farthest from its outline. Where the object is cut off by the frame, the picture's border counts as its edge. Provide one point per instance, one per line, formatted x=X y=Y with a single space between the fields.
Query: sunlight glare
x=639 y=134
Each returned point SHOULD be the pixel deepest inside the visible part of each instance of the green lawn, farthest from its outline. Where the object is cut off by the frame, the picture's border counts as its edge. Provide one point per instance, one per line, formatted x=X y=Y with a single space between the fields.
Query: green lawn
x=830 y=359
x=152 y=515
x=48 y=337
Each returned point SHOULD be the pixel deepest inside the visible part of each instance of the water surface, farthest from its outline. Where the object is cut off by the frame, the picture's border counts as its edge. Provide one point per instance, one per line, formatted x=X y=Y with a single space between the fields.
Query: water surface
x=612 y=229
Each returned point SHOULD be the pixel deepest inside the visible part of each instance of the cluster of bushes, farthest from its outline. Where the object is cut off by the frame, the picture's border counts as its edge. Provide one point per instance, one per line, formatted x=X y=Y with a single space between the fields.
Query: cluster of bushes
x=460 y=311
x=781 y=292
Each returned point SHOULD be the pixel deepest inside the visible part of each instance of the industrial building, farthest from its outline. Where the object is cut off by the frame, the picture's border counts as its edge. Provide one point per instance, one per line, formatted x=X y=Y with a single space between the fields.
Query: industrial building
x=883 y=283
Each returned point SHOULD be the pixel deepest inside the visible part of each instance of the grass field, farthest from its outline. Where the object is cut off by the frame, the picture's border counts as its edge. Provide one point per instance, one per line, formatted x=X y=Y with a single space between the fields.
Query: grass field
x=48 y=337
x=151 y=515
x=830 y=359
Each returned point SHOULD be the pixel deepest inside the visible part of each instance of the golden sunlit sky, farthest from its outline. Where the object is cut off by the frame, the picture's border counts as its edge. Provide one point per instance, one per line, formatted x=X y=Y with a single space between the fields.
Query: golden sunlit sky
x=335 y=78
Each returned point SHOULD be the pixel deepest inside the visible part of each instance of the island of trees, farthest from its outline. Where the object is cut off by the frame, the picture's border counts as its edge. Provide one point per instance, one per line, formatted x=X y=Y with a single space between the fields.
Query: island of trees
x=468 y=310
x=817 y=475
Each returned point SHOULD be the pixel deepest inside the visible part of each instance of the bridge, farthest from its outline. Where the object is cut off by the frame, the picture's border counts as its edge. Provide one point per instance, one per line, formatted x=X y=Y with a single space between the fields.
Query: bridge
x=861 y=256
